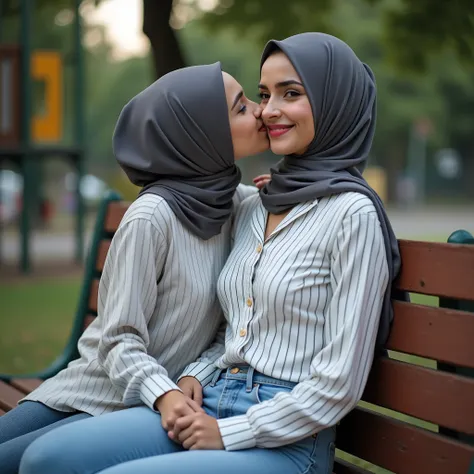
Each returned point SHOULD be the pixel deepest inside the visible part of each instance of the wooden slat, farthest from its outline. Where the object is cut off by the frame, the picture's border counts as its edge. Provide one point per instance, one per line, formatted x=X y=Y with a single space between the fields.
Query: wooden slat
x=88 y=320
x=437 y=269
x=436 y=333
x=94 y=295
x=102 y=254
x=9 y=396
x=343 y=467
x=26 y=385
x=115 y=213
x=441 y=398
x=400 y=447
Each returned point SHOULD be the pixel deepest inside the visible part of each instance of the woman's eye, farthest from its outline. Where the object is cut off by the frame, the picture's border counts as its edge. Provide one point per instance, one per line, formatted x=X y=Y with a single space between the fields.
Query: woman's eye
x=263 y=96
x=292 y=94
x=242 y=109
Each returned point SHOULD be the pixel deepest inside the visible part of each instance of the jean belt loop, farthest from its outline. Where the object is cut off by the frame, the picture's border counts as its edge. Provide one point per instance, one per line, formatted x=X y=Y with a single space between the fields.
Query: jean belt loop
x=250 y=379
x=215 y=377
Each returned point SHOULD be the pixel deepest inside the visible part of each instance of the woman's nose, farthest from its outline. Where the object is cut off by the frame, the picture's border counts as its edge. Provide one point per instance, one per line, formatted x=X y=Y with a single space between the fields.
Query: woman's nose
x=269 y=111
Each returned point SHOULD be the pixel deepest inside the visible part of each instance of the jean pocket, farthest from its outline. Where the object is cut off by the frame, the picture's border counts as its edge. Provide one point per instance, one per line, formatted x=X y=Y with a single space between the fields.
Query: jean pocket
x=324 y=452
x=262 y=392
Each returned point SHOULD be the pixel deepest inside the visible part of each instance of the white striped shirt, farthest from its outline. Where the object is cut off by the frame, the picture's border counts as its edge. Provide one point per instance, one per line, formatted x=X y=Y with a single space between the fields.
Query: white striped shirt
x=157 y=311
x=302 y=306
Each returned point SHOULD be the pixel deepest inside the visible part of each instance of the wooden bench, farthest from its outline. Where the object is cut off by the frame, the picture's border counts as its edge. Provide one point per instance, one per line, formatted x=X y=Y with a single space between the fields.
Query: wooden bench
x=431 y=426
x=440 y=398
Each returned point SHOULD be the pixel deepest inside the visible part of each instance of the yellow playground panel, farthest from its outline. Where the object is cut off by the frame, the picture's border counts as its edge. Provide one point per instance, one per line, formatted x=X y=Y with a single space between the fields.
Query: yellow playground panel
x=46 y=66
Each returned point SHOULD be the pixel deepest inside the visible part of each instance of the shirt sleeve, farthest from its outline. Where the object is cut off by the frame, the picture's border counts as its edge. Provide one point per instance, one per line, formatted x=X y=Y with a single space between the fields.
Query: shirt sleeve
x=359 y=277
x=204 y=368
x=127 y=300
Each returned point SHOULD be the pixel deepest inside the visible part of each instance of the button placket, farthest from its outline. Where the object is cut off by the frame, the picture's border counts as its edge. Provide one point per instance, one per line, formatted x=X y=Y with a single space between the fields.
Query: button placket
x=249 y=302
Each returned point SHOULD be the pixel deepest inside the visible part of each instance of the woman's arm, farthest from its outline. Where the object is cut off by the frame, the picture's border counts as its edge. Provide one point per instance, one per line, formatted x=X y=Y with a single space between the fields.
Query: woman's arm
x=127 y=300
x=359 y=276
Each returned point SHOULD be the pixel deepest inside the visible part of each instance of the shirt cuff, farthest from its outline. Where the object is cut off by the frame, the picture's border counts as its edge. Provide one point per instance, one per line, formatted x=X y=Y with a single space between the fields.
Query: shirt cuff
x=236 y=433
x=202 y=371
x=154 y=387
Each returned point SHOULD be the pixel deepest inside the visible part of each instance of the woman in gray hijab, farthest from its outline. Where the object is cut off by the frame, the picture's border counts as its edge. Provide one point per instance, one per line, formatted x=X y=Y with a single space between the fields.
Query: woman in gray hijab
x=303 y=291
x=158 y=308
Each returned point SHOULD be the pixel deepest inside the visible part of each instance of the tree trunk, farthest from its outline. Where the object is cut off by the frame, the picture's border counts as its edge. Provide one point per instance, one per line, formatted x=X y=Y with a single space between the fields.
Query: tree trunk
x=166 y=51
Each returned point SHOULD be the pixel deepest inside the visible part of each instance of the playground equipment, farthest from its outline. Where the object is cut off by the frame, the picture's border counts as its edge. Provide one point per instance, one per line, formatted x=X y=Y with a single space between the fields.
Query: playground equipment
x=27 y=139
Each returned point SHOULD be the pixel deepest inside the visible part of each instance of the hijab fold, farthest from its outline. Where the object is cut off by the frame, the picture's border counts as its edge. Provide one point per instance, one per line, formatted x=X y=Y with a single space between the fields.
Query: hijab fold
x=173 y=139
x=342 y=93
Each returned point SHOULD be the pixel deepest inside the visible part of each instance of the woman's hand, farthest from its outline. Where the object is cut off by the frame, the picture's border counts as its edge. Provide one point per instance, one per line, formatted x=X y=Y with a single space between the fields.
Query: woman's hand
x=197 y=431
x=192 y=388
x=262 y=180
x=173 y=405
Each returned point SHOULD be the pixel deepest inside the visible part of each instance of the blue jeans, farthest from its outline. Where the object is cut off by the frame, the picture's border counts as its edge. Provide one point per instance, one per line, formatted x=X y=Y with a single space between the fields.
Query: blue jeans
x=134 y=442
x=22 y=425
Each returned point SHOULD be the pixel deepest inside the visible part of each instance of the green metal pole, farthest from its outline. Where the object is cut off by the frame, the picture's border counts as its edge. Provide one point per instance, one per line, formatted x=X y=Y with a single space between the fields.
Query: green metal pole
x=27 y=7
x=1 y=20
x=79 y=130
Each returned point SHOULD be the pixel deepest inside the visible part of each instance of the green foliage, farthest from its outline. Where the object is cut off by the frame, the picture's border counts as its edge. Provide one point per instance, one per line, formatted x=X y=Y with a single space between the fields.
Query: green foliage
x=413 y=31
x=443 y=91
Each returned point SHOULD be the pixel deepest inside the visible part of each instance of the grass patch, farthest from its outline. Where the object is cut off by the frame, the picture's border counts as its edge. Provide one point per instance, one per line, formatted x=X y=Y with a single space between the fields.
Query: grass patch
x=36 y=321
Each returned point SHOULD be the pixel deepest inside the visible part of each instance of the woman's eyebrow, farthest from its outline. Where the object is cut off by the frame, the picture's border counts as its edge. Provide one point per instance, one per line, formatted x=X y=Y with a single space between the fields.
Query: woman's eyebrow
x=282 y=84
x=237 y=98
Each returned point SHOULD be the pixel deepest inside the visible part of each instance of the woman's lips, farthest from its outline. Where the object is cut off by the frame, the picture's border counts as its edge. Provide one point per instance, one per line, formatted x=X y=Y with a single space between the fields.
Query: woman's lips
x=276 y=131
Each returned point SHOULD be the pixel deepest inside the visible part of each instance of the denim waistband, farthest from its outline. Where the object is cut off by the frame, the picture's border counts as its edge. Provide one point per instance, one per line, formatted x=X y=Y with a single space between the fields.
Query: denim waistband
x=250 y=376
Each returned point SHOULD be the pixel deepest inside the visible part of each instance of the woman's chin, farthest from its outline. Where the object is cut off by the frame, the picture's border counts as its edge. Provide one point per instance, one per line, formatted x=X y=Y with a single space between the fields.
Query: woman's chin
x=281 y=149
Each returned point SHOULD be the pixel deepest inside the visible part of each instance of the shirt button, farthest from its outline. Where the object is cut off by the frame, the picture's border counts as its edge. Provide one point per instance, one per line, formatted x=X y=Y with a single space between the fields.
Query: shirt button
x=249 y=302
x=242 y=332
x=259 y=248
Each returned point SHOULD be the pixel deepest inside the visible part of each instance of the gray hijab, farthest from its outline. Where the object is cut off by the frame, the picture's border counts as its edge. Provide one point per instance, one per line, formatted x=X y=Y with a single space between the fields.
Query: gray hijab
x=342 y=93
x=173 y=139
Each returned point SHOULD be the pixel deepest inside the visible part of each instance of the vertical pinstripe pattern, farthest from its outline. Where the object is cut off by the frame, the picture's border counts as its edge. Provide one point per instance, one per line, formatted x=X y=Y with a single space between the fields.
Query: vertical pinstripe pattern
x=158 y=310
x=303 y=306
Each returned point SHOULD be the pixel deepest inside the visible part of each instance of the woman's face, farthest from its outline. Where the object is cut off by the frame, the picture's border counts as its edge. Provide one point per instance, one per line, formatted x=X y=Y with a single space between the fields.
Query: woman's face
x=286 y=108
x=249 y=136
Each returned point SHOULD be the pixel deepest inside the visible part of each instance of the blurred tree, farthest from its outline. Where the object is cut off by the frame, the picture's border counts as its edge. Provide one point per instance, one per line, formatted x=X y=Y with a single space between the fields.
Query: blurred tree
x=413 y=31
x=443 y=93
x=166 y=50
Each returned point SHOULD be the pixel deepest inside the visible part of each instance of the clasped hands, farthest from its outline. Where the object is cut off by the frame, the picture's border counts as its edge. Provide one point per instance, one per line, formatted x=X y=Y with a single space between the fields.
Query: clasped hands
x=184 y=419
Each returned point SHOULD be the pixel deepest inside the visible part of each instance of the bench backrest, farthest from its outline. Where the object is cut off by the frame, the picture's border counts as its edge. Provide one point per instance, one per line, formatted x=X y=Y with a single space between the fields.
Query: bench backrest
x=401 y=386
x=113 y=216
